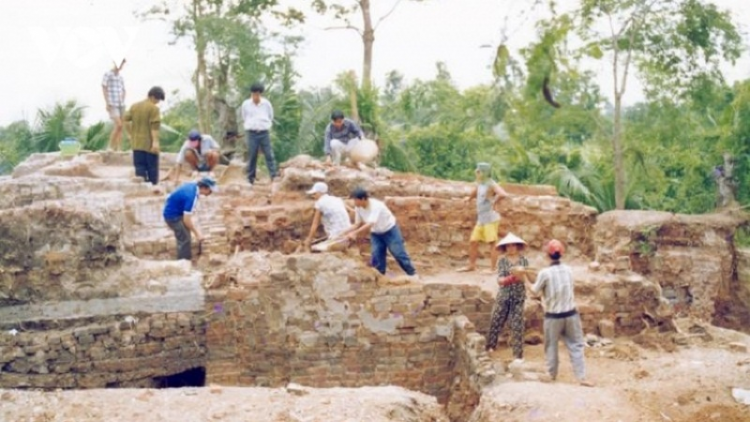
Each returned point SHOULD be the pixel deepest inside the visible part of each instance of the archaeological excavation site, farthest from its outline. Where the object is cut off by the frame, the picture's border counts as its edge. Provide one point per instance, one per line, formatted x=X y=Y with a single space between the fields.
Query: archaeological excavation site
x=99 y=322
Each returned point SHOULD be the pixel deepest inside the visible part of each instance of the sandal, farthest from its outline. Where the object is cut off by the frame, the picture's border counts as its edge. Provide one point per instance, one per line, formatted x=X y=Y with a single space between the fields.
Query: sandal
x=465 y=270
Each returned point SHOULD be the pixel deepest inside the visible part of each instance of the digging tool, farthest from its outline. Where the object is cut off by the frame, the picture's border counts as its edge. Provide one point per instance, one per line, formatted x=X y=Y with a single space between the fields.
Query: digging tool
x=200 y=247
x=318 y=240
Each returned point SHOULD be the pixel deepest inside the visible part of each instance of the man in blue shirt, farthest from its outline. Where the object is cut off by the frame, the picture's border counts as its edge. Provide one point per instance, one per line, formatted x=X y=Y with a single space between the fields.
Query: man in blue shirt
x=341 y=136
x=178 y=212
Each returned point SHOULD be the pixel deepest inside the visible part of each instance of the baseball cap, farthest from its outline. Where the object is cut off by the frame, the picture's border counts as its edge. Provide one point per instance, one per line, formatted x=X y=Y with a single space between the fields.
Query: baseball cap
x=318 y=187
x=194 y=135
x=555 y=245
x=209 y=183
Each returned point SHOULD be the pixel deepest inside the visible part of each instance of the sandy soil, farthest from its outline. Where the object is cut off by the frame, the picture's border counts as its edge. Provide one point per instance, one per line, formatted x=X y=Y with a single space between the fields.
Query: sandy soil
x=634 y=382
x=374 y=404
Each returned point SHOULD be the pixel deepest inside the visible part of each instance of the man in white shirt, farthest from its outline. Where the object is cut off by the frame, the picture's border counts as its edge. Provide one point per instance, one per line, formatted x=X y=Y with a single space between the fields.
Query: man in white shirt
x=373 y=216
x=561 y=319
x=330 y=210
x=257 y=115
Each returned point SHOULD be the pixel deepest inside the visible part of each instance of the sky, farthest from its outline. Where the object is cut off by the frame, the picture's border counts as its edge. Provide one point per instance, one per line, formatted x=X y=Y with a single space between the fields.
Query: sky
x=57 y=50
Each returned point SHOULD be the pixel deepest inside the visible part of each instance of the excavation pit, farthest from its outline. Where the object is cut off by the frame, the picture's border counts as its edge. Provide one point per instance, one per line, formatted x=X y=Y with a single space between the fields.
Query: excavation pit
x=90 y=296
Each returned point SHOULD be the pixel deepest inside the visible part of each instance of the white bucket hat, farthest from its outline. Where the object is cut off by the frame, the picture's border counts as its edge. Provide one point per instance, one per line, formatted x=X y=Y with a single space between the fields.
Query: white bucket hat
x=509 y=239
x=318 y=187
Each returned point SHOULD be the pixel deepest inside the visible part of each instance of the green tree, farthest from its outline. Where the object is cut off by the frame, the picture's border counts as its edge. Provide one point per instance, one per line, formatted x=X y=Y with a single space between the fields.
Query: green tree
x=52 y=126
x=225 y=36
x=96 y=136
x=670 y=43
x=16 y=143
x=342 y=11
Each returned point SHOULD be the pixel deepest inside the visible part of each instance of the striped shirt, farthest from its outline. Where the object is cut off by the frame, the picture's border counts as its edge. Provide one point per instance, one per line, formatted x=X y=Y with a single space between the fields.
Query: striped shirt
x=556 y=285
x=115 y=87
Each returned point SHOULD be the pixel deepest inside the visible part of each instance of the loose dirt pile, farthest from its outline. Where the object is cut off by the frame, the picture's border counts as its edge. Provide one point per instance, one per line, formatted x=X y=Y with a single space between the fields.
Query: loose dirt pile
x=293 y=404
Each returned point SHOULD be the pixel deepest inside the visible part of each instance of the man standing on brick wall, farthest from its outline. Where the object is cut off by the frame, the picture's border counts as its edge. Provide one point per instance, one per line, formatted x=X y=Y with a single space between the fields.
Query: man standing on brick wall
x=257 y=114
x=113 y=88
x=330 y=210
x=561 y=319
x=373 y=216
x=142 y=122
x=488 y=194
x=178 y=213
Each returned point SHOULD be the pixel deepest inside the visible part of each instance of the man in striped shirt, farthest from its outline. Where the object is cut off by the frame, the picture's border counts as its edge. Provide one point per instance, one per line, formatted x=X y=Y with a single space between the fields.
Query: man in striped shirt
x=561 y=319
x=113 y=88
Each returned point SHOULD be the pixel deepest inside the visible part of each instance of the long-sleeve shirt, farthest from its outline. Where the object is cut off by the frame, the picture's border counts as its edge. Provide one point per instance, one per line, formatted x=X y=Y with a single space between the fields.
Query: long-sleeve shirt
x=348 y=131
x=556 y=285
x=257 y=116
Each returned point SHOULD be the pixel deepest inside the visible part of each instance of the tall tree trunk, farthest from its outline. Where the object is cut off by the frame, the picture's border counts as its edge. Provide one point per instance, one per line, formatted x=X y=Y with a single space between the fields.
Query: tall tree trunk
x=200 y=71
x=368 y=39
x=353 y=97
x=620 y=182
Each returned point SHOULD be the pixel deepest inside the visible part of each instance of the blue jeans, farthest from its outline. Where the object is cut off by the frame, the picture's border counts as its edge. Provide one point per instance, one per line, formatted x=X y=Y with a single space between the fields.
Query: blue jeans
x=393 y=242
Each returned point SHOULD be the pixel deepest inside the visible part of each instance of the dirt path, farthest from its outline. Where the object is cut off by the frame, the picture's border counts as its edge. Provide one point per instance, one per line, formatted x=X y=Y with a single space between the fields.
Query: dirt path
x=690 y=384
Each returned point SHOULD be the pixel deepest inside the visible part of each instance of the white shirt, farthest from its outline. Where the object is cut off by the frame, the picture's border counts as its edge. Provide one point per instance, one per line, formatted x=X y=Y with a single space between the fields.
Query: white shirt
x=333 y=214
x=377 y=214
x=556 y=285
x=257 y=116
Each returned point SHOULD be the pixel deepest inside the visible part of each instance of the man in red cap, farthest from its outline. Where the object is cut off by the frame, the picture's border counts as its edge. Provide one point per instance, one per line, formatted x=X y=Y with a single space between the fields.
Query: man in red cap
x=561 y=319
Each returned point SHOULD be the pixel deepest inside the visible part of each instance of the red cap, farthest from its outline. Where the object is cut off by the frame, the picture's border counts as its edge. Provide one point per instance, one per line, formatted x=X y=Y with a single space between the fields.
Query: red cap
x=555 y=245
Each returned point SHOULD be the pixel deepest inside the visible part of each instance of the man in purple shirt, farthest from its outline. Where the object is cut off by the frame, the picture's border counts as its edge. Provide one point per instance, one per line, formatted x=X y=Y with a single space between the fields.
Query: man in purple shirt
x=341 y=136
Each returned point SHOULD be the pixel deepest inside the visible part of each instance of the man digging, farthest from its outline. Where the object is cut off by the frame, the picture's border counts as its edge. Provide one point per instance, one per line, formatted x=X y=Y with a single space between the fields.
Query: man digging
x=178 y=213
x=487 y=194
x=329 y=210
x=373 y=216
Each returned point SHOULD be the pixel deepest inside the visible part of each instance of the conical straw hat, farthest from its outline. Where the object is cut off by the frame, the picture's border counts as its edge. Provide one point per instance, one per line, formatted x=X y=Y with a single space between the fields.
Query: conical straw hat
x=510 y=239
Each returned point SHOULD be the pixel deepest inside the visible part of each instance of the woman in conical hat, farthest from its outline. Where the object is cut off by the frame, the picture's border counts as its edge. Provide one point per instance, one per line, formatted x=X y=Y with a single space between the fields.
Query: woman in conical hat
x=511 y=296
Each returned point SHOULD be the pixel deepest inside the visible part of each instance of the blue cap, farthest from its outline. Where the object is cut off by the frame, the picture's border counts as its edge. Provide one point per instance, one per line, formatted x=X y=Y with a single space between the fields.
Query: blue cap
x=209 y=183
x=194 y=135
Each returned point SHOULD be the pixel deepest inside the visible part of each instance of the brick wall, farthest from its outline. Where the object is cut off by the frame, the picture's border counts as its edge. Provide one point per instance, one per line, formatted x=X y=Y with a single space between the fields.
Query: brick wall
x=691 y=257
x=325 y=321
x=111 y=351
x=442 y=227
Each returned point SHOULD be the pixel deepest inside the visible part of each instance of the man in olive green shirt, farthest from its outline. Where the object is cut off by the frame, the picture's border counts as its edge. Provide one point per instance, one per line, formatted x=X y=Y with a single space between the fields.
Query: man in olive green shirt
x=142 y=123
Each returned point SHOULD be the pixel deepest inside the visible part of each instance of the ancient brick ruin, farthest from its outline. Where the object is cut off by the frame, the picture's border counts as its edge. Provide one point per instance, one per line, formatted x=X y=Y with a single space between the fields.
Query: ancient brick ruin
x=90 y=298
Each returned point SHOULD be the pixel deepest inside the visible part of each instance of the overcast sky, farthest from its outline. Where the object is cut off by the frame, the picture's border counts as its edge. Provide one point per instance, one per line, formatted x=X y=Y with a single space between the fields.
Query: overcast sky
x=55 y=50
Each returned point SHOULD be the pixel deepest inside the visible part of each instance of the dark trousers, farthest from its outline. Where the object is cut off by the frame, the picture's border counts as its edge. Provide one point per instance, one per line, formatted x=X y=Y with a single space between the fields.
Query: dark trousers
x=509 y=305
x=182 y=234
x=393 y=241
x=259 y=140
x=146 y=166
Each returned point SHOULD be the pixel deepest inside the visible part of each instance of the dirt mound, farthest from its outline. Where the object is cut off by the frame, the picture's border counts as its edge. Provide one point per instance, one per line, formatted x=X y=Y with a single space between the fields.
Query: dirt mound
x=294 y=404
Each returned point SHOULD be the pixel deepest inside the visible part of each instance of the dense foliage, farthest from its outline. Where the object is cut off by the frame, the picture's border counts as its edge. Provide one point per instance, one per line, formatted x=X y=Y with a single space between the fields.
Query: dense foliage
x=670 y=142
